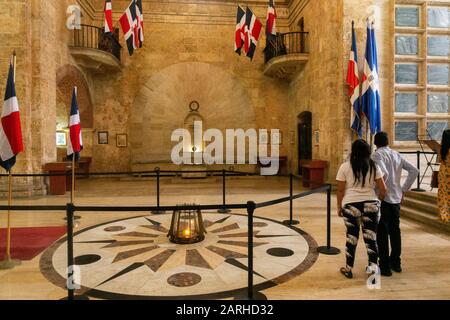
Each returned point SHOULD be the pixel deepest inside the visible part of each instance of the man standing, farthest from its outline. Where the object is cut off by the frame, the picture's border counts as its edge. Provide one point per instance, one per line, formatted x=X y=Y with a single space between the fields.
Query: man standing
x=391 y=164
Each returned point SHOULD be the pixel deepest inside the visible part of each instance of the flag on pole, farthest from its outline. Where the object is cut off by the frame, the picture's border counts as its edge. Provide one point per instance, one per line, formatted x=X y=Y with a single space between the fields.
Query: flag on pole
x=371 y=101
x=108 y=17
x=75 y=143
x=130 y=28
x=240 y=30
x=11 y=143
x=140 y=22
x=252 y=32
x=353 y=86
x=271 y=26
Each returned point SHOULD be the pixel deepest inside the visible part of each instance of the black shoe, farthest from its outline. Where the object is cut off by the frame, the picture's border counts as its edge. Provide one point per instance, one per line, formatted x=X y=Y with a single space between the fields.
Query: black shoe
x=386 y=273
x=348 y=274
x=397 y=269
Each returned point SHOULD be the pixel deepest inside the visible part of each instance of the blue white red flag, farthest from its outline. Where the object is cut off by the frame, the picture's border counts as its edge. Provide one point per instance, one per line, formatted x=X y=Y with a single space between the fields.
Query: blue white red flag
x=353 y=87
x=371 y=101
x=140 y=22
x=75 y=143
x=108 y=17
x=130 y=27
x=252 y=32
x=271 y=26
x=11 y=143
x=240 y=30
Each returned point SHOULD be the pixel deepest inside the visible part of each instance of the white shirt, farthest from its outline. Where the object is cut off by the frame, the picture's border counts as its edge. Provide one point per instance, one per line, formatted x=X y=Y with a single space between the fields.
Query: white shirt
x=391 y=164
x=355 y=192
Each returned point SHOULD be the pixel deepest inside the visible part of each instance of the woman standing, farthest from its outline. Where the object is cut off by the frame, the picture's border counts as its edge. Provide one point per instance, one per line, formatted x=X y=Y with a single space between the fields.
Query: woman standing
x=358 y=202
x=444 y=178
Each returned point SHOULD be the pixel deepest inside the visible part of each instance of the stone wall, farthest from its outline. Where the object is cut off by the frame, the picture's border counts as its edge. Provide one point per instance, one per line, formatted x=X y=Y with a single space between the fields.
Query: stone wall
x=197 y=34
x=317 y=87
x=188 y=55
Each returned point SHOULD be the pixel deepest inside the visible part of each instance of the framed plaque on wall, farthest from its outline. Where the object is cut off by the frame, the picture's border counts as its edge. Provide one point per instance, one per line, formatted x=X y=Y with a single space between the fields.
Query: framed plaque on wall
x=122 y=140
x=103 y=137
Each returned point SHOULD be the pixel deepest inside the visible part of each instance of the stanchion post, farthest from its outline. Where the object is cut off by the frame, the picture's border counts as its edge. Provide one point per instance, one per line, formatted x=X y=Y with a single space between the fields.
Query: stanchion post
x=251 y=206
x=251 y=295
x=291 y=220
x=73 y=274
x=224 y=193
x=9 y=263
x=70 y=260
x=158 y=191
x=328 y=249
x=418 y=189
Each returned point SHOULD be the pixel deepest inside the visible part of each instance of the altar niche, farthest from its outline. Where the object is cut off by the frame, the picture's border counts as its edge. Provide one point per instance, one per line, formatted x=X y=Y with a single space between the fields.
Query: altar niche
x=207 y=146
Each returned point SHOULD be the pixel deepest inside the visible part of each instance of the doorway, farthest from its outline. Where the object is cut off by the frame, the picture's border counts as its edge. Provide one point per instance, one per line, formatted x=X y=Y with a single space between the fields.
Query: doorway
x=304 y=130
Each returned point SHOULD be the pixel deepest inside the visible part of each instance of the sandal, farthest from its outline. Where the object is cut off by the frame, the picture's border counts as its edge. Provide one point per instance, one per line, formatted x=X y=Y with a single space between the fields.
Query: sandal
x=348 y=274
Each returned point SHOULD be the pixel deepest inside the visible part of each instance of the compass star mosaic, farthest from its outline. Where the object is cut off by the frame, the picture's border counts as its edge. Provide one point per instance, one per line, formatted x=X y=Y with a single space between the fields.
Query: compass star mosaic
x=134 y=259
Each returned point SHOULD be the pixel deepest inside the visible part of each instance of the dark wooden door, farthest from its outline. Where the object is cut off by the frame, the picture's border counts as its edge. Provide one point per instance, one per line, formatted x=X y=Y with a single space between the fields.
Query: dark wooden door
x=304 y=137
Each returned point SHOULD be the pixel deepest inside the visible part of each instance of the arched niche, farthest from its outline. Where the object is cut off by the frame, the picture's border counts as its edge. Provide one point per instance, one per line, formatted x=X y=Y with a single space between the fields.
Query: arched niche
x=67 y=77
x=162 y=103
x=192 y=123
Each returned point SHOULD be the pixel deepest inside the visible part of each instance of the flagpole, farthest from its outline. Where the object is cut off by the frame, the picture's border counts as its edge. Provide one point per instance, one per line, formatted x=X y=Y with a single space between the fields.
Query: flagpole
x=72 y=194
x=9 y=263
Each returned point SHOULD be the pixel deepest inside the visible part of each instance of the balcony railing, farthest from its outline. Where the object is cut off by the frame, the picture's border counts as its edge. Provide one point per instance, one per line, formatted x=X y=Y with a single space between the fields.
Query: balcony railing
x=95 y=38
x=287 y=43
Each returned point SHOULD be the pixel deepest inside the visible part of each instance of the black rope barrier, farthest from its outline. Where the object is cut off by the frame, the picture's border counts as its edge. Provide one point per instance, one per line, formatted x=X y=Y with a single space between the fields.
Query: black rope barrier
x=251 y=206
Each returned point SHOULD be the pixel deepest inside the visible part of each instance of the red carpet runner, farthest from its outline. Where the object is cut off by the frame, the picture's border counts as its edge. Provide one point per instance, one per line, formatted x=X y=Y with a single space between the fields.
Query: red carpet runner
x=27 y=243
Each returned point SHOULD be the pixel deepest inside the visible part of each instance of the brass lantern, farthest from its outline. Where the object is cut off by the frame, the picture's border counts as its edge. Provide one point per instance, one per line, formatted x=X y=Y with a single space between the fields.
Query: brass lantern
x=187 y=227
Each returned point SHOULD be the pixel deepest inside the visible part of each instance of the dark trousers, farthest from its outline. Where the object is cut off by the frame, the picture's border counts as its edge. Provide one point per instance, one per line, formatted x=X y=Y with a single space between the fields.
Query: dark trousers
x=363 y=215
x=389 y=231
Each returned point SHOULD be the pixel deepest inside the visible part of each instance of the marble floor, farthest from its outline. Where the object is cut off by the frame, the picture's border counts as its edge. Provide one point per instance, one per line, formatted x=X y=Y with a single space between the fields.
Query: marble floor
x=127 y=255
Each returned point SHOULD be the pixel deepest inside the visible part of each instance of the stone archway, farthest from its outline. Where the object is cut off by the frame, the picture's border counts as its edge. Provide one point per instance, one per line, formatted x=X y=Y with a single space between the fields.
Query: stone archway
x=162 y=104
x=67 y=77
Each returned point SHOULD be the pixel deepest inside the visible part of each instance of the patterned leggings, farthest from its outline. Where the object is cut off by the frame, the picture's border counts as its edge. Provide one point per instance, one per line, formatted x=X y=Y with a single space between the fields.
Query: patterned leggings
x=367 y=214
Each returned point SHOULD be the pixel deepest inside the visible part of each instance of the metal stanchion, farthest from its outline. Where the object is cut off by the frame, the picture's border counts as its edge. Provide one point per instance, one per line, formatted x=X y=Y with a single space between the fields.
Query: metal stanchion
x=158 y=177
x=224 y=190
x=418 y=189
x=291 y=221
x=72 y=277
x=70 y=260
x=328 y=249
x=251 y=295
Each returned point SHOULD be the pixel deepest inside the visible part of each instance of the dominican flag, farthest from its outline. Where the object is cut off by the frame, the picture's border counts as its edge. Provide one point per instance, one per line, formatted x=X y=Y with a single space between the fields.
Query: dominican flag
x=140 y=22
x=75 y=143
x=108 y=17
x=130 y=27
x=252 y=32
x=353 y=84
x=271 y=26
x=11 y=143
x=240 y=30
x=371 y=102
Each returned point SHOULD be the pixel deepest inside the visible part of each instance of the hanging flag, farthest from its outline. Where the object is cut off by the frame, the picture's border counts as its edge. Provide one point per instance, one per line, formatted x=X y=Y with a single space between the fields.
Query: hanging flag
x=108 y=17
x=271 y=26
x=140 y=22
x=371 y=101
x=11 y=143
x=252 y=32
x=129 y=24
x=240 y=29
x=75 y=143
x=353 y=84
